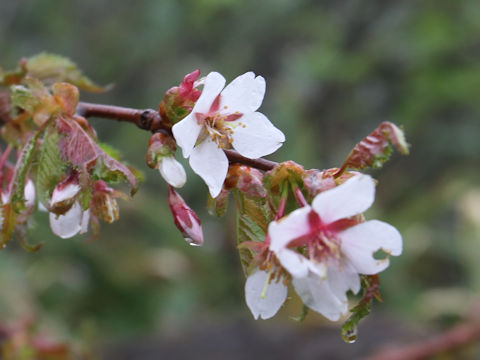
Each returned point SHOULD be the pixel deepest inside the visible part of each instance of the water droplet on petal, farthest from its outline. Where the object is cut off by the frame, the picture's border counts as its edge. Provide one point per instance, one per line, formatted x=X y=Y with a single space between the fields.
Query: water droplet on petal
x=191 y=242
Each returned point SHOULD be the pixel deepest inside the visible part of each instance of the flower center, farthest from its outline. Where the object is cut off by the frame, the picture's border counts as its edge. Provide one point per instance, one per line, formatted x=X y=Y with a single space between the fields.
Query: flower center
x=266 y=260
x=219 y=127
x=321 y=243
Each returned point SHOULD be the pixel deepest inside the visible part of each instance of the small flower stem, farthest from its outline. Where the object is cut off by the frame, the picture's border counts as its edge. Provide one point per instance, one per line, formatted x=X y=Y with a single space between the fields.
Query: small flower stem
x=299 y=195
x=340 y=171
x=150 y=120
x=265 y=287
x=283 y=203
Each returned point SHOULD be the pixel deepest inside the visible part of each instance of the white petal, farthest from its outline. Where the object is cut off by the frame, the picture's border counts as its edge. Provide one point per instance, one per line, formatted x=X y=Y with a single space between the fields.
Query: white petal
x=342 y=279
x=255 y=136
x=264 y=307
x=68 y=224
x=317 y=295
x=172 y=171
x=361 y=241
x=29 y=193
x=289 y=228
x=351 y=198
x=85 y=221
x=211 y=164
x=296 y=264
x=68 y=192
x=214 y=84
x=244 y=94
x=186 y=133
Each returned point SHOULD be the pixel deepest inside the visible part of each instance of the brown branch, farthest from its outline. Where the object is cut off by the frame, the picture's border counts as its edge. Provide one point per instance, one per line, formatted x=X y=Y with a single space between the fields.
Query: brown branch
x=151 y=120
x=454 y=338
x=147 y=119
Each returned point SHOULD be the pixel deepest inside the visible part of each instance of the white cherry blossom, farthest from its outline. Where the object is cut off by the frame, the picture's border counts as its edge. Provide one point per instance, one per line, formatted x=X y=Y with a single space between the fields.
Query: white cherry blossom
x=337 y=247
x=225 y=119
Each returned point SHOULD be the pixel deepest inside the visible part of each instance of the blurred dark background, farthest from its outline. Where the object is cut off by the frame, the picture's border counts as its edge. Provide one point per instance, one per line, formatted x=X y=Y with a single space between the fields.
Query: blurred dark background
x=334 y=71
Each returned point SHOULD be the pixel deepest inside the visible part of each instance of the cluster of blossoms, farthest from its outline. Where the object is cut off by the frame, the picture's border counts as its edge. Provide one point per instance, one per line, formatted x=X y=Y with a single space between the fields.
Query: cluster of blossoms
x=304 y=227
x=321 y=248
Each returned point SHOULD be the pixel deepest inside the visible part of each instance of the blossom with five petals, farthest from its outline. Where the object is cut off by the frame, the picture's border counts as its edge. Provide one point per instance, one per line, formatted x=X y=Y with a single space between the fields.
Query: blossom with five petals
x=226 y=119
x=336 y=247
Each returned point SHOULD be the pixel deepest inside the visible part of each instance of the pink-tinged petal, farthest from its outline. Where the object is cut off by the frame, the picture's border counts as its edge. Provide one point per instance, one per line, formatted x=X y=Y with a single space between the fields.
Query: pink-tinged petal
x=348 y=199
x=85 y=221
x=29 y=194
x=255 y=136
x=244 y=94
x=342 y=278
x=296 y=264
x=186 y=133
x=361 y=241
x=265 y=306
x=68 y=224
x=289 y=228
x=67 y=192
x=214 y=83
x=172 y=171
x=317 y=295
x=211 y=164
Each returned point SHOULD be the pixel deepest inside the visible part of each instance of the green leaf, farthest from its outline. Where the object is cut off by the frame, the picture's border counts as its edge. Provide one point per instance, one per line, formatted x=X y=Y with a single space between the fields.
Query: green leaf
x=11 y=209
x=51 y=68
x=253 y=217
x=34 y=98
x=23 y=98
x=50 y=166
x=370 y=285
x=22 y=168
x=8 y=225
x=110 y=150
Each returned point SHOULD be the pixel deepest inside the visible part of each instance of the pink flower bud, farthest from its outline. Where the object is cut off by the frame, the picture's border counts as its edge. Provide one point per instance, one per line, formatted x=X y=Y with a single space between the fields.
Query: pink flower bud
x=178 y=101
x=187 y=91
x=185 y=218
x=246 y=179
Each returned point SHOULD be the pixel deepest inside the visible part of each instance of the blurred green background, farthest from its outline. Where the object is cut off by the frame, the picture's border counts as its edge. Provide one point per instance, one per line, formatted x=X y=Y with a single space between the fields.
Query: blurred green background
x=334 y=71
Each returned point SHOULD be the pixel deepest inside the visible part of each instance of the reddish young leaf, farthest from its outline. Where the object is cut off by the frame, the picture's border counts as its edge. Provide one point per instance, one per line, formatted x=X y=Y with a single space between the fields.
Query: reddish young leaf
x=76 y=146
x=79 y=148
x=376 y=148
